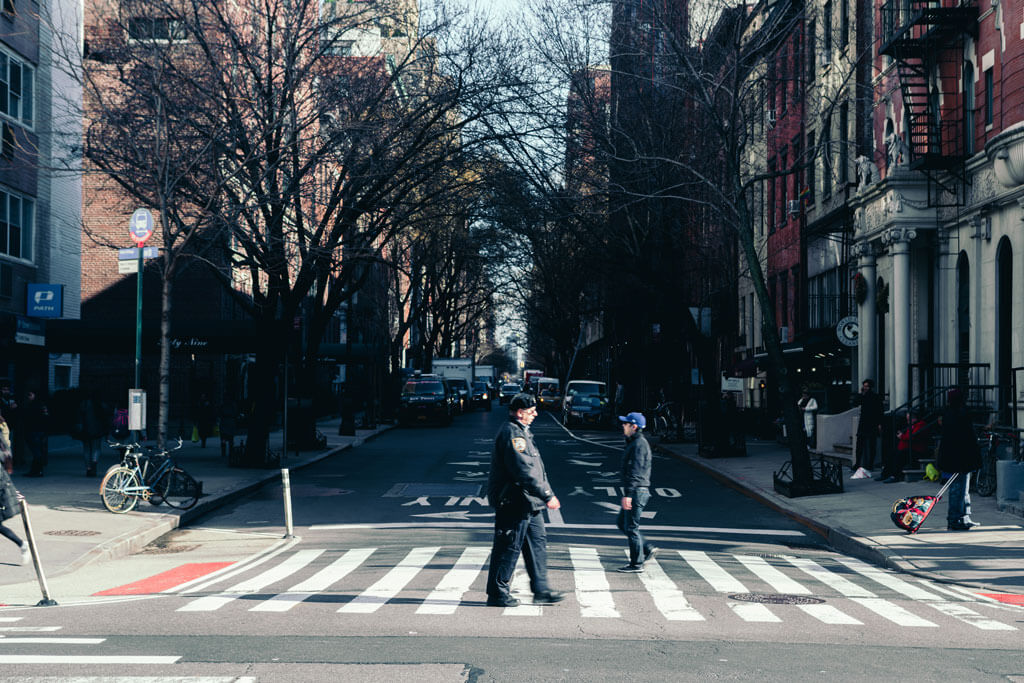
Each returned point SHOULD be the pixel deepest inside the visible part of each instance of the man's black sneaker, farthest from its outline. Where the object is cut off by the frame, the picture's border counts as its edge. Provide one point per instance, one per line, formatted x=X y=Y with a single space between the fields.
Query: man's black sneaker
x=631 y=569
x=651 y=552
x=548 y=597
x=503 y=602
x=962 y=526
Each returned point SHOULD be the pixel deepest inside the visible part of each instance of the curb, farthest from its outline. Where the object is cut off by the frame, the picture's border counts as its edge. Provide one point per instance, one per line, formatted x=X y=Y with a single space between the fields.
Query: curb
x=838 y=538
x=132 y=542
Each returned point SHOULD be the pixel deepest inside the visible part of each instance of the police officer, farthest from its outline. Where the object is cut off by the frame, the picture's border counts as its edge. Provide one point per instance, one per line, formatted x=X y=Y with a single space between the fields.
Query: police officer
x=636 y=482
x=519 y=491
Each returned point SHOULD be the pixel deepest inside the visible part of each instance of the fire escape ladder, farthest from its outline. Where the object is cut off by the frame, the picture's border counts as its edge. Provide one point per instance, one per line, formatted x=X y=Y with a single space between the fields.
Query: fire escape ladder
x=926 y=41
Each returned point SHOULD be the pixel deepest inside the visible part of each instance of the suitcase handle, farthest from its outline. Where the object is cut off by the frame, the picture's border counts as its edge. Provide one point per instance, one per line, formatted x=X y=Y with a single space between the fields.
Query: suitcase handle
x=946 y=486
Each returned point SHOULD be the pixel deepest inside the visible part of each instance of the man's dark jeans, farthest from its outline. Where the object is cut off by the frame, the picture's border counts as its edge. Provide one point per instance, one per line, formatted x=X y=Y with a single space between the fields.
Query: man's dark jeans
x=629 y=524
x=516 y=531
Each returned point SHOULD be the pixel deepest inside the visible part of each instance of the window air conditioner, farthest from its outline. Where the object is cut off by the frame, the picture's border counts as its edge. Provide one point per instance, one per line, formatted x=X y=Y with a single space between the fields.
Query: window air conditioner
x=793 y=207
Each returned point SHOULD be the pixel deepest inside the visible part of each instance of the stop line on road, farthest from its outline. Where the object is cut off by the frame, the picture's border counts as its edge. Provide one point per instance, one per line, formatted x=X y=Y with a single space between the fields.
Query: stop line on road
x=682 y=585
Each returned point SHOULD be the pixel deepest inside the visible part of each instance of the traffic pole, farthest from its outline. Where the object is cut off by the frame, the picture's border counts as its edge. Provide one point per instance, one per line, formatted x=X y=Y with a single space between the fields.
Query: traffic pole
x=30 y=538
x=286 y=484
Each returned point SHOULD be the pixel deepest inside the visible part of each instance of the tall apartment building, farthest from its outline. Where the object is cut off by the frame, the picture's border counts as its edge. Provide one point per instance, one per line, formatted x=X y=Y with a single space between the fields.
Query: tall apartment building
x=39 y=211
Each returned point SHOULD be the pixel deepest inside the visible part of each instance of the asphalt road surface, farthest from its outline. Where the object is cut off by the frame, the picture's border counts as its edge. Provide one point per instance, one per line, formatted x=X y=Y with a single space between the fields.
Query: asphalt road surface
x=384 y=580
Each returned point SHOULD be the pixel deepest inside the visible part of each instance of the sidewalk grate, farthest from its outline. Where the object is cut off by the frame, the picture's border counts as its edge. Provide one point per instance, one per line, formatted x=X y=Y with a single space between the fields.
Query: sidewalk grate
x=776 y=599
x=71 y=532
x=169 y=549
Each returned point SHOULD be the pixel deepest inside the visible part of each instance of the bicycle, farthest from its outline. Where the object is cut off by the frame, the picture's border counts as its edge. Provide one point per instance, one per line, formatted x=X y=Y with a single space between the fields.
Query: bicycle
x=985 y=481
x=666 y=424
x=152 y=477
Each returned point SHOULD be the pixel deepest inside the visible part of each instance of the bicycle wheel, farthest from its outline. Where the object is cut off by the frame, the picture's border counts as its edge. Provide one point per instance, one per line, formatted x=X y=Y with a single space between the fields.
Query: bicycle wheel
x=178 y=489
x=985 y=484
x=114 y=490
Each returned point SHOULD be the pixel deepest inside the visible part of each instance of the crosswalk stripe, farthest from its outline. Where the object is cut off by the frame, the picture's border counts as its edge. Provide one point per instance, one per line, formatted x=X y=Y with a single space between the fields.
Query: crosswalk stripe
x=860 y=595
x=667 y=597
x=520 y=588
x=955 y=610
x=827 y=614
x=88 y=659
x=592 y=589
x=772 y=576
x=289 y=566
x=389 y=586
x=320 y=581
x=456 y=583
x=10 y=619
x=724 y=582
x=29 y=629
x=201 y=584
x=37 y=640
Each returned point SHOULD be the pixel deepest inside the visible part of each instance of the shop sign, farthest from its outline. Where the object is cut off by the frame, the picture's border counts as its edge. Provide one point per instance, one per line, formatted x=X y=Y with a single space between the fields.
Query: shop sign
x=848 y=330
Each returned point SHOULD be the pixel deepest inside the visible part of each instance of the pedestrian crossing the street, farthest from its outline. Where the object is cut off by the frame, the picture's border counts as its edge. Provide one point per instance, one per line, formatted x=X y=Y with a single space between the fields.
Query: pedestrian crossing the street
x=679 y=586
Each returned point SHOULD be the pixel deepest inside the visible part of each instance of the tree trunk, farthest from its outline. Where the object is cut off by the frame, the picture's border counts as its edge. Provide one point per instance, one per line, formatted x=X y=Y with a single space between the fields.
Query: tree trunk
x=163 y=410
x=264 y=394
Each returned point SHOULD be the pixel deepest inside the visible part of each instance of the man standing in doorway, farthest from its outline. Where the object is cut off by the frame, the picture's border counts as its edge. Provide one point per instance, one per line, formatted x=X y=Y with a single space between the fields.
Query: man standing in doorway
x=636 y=482
x=868 y=429
x=518 y=489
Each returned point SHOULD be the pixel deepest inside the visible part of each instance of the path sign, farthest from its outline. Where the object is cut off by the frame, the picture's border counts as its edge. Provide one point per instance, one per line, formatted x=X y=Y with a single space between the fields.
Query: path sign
x=141 y=226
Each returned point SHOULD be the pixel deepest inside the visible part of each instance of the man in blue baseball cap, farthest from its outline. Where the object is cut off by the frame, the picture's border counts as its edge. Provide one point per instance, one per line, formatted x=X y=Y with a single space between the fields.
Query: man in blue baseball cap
x=636 y=482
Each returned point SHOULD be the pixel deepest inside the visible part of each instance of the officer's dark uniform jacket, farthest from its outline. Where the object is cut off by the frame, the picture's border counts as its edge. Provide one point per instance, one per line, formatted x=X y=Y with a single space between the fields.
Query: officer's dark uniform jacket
x=636 y=464
x=517 y=472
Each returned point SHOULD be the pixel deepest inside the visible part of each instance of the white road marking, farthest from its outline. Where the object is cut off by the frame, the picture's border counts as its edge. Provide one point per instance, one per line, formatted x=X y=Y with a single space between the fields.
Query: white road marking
x=29 y=629
x=592 y=589
x=320 y=581
x=614 y=508
x=51 y=641
x=88 y=659
x=203 y=582
x=956 y=610
x=724 y=582
x=555 y=518
x=391 y=584
x=861 y=596
x=783 y=584
x=253 y=585
x=456 y=583
x=10 y=619
x=667 y=597
x=789 y=533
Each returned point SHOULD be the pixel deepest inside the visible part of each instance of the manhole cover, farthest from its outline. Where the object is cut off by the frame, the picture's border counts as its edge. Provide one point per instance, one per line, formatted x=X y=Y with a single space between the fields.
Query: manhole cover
x=169 y=549
x=776 y=599
x=71 y=532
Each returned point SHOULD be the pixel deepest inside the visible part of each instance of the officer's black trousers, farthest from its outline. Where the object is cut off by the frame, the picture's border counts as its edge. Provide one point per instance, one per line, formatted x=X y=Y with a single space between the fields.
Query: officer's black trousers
x=515 y=532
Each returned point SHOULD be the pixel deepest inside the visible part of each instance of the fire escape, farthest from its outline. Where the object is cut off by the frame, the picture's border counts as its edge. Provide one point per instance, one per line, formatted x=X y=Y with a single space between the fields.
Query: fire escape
x=926 y=40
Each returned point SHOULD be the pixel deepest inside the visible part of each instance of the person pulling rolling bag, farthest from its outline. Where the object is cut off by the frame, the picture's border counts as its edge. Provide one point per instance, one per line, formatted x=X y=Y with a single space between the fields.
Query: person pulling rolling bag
x=910 y=513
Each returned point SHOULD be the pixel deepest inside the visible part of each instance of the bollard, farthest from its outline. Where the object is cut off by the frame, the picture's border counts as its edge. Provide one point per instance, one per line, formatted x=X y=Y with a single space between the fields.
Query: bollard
x=287 y=485
x=30 y=538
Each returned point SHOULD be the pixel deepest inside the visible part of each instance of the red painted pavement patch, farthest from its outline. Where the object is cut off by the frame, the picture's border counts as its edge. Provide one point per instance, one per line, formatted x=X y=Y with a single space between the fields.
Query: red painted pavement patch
x=168 y=579
x=1008 y=598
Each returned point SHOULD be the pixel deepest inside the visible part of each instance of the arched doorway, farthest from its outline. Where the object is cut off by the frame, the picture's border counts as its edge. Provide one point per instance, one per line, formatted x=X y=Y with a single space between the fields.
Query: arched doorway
x=1004 y=325
x=963 y=317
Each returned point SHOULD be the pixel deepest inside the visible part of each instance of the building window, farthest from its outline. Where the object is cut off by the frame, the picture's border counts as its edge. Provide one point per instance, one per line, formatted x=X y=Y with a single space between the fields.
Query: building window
x=989 y=97
x=844 y=143
x=826 y=158
x=812 y=56
x=17 y=98
x=844 y=23
x=784 y=168
x=771 y=196
x=826 y=29
x=969 y=108
x=809 y=187
x=61 y=377
x=17 y=222
x=163 y=29
x=784 y=299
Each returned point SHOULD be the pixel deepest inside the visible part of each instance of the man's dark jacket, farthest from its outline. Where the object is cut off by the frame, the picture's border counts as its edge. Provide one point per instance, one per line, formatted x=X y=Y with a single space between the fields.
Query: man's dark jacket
x=870 y=413
x=636 y=464
x=517 y=472
x=958 y=448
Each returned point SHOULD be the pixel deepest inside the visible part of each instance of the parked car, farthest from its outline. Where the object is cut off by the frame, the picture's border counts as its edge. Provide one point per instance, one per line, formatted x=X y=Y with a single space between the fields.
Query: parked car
x=507 y=391
x=481 y=395
x=425 y=399
x=548 y=395
x=586 y=402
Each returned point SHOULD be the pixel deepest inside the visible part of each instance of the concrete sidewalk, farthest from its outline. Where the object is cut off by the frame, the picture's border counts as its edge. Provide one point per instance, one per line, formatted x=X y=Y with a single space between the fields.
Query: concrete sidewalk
x=857 y=521
x=72 y=528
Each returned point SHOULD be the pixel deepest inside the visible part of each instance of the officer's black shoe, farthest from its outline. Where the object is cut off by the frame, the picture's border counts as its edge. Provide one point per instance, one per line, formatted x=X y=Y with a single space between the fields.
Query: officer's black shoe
x=503 y=602
x=651 y=552
x=548 y=597
x=631 y=569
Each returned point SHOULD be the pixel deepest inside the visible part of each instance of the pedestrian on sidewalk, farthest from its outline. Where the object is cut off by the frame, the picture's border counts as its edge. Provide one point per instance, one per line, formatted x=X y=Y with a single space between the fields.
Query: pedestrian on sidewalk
x=90 y=427
x=911 y=446
x=35 y=422
x=635 y=482
x=6 y=451
x=809 y=408
x=518 y=489
x=869 y=427
x=205 y=417
x=9 y=407
x=958 y=454
x=10 y=505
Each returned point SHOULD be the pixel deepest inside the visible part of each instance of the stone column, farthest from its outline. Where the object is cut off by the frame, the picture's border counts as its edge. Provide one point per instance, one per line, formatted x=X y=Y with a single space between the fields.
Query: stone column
x=867 y=318
x=898 y=240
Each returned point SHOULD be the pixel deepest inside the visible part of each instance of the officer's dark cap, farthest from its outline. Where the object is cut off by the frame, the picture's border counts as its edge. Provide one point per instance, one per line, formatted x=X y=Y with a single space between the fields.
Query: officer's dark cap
x=522 y=401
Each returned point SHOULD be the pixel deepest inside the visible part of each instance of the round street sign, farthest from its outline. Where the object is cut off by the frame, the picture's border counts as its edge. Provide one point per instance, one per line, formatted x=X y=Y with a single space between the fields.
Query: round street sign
x=848 y=330
x=141 y=226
